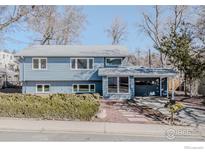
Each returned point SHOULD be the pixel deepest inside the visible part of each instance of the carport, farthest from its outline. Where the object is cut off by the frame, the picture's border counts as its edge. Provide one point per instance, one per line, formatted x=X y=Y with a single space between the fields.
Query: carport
x=150 y=86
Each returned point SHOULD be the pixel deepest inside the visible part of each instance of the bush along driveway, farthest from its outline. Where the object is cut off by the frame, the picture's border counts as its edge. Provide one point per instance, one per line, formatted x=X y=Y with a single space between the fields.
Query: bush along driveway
x=56 y=106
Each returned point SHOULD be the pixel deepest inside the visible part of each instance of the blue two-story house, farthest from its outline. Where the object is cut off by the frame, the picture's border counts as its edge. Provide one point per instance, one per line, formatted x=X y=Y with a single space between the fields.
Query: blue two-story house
x=88 y=69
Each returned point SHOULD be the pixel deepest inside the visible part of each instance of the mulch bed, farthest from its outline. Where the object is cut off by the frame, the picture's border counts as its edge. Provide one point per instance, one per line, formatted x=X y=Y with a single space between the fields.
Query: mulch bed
x=112 y=114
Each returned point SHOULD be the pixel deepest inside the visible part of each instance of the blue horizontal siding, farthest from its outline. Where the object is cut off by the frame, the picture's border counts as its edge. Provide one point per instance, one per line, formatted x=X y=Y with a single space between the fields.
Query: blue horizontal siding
x=58 y=86
x=58 y=69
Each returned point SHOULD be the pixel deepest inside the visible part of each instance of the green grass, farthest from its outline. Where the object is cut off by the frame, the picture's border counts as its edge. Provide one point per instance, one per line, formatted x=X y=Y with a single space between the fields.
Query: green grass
x=56 y=106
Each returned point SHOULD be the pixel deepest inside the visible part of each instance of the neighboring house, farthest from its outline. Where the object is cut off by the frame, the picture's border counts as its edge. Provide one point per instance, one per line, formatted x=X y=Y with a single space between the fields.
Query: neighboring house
x=88 y=69
x=9 y=71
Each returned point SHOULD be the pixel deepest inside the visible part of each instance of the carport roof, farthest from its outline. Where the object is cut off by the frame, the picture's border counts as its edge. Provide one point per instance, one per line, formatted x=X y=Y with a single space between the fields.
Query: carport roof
x=137 y=72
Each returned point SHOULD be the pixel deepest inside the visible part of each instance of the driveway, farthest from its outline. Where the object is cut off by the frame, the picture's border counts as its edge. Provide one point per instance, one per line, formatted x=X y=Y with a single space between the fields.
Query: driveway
x=194 y=110
x=193 y=113
x=151 y=110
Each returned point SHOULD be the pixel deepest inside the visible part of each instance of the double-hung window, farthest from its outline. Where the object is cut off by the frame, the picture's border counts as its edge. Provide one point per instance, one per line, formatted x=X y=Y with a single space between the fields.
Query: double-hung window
x=39 y=63
x=82 y=63
x=78 y=88
x=118 y=85
x=42 y=88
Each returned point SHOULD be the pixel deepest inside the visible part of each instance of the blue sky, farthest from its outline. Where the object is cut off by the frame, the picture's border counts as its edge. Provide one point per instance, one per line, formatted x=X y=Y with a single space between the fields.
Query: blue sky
x=99 y=18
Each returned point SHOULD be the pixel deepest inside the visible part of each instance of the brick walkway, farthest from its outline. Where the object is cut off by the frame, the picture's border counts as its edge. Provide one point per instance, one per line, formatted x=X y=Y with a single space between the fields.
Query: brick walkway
x=122 y=112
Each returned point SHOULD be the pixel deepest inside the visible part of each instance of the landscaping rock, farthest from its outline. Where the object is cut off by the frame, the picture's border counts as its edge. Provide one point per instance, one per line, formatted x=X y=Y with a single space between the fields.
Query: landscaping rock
x=101 y=114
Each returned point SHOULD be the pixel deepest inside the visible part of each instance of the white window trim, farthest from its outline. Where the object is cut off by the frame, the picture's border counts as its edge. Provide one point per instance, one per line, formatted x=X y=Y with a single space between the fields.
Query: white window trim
x=89 y=85
x=43 y=92
x=118 y=85
x=39 y=64
x=76 y=68
x=107 y=64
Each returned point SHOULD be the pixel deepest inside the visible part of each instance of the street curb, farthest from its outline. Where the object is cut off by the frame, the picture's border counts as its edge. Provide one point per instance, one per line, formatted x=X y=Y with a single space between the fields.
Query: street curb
x=94 y=127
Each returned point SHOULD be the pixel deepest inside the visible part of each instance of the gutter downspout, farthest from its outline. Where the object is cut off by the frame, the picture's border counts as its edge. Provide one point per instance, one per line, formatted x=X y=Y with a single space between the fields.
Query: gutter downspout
x=23 y=76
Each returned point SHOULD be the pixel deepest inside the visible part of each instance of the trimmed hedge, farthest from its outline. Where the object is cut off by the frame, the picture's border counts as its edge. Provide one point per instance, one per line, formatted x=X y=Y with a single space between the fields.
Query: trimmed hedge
x=56 y=106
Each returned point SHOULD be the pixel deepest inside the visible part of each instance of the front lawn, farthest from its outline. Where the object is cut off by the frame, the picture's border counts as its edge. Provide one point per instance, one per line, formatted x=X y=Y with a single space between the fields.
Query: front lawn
x=56 y=106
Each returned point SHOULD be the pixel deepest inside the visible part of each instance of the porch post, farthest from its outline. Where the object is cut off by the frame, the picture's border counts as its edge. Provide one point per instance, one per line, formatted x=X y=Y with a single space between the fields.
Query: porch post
x=172 y=88
x=132 y=86
x=167 y=88
x=104 y=86
x=160 y=86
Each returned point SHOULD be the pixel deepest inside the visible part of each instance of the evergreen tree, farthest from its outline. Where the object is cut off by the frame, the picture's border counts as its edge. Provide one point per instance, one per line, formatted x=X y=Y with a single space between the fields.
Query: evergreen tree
x=177 y=46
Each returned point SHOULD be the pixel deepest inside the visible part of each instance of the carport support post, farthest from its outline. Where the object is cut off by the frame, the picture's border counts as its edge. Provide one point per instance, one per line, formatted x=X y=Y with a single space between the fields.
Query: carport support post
x=167 y=88
x=172 y=88
x=160 y=86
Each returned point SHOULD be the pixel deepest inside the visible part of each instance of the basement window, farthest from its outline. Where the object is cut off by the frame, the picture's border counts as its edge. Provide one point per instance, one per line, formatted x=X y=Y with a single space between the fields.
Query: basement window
x=42 y=88
x=83 y=88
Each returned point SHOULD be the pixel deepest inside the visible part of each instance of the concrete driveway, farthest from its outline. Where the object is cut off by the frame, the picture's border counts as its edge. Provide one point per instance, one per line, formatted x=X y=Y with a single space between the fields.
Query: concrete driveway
x=193 y=114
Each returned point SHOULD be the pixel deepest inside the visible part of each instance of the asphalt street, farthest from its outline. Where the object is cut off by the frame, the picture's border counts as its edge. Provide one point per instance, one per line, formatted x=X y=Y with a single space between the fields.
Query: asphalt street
x=78 y=136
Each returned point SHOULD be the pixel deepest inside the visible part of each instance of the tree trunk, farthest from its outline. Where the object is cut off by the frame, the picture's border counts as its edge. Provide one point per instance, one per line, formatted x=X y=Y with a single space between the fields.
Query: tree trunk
x=185 y=81
x=150 y=61
x=172 y=118
x=191 y=82
x=161 y=60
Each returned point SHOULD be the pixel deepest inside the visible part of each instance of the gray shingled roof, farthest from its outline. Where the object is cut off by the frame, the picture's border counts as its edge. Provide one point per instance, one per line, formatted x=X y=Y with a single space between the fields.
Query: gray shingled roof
x=75 y=51
x=136 y=71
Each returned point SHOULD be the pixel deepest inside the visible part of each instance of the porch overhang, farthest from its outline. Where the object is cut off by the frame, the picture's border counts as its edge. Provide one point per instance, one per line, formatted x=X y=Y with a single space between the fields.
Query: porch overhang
x=137 y=72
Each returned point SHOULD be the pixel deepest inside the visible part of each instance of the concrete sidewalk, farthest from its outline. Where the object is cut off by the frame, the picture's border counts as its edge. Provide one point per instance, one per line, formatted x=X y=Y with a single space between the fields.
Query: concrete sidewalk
x=9 y=124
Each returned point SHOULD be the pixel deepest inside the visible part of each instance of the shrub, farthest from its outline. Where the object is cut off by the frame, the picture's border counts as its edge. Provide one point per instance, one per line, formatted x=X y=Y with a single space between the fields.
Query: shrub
x=56 y=106
x=174 y=107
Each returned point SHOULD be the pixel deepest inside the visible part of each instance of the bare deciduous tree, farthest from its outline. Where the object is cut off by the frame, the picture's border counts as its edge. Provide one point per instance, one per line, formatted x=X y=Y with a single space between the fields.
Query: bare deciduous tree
x=43 y=21
x=12 y=14
x=199 y=26
x=71 y=25
x=152 y=26
x=117 y=31
x=178 y=15
x=57 y=27
x=11 y=18
x=155 y=26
